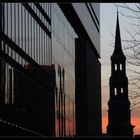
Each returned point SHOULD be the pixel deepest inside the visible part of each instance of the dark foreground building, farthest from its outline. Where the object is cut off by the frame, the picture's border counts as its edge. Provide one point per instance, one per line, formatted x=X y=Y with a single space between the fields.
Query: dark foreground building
x=50 y=77
x=119 y=114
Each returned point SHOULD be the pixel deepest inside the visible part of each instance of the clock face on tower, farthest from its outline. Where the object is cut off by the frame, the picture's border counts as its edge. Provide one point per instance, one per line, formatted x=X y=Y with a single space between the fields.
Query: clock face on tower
x=119 y=121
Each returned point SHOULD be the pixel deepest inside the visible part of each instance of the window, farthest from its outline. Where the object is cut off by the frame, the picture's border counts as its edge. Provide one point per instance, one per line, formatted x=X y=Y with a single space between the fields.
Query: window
x=115 y=66
x=120 y=66
x=121 y=90
x=115 y=91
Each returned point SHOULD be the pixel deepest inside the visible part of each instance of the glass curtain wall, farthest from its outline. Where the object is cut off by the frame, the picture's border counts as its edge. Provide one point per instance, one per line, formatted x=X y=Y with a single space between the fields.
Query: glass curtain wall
x=58 y=49
x=63 y=56
x=21 y=28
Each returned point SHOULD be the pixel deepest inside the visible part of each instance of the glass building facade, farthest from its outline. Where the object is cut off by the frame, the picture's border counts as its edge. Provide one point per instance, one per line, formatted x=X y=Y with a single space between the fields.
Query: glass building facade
x=85 y=19
x=50 y=73
x=63 y=56
x=43 y=34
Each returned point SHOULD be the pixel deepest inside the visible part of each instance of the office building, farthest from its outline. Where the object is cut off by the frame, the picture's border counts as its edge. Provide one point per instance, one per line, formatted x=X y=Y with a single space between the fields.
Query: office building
x=53 y=48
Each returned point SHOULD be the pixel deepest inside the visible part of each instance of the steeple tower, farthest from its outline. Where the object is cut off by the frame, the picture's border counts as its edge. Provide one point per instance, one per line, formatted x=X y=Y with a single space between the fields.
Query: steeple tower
x=119 y=118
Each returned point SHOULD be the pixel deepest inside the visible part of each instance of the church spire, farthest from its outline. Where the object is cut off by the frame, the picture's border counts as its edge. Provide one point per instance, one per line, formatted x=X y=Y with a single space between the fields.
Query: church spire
x=119 y=115
x=118 y=46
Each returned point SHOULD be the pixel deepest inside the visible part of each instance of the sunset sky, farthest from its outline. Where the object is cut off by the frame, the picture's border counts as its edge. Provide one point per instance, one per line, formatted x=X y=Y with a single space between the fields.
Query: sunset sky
x=108 y=17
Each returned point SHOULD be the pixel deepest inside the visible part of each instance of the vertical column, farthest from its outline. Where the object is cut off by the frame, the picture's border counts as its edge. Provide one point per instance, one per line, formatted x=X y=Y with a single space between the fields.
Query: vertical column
x=80 y=87
x=88 y=89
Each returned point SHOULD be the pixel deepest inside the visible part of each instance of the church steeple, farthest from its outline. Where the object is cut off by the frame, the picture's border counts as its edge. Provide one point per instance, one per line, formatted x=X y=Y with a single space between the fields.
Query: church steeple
x=118 y=46
x=119 y=118
x=118 y=58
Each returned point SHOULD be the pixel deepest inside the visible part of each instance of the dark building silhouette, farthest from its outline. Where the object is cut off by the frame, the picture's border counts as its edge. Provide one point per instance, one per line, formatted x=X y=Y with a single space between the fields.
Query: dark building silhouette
x=33 y=105
x=119 y=114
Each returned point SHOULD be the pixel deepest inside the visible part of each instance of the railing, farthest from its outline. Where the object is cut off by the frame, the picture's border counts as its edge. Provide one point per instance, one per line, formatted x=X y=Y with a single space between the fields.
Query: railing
x=12 y=126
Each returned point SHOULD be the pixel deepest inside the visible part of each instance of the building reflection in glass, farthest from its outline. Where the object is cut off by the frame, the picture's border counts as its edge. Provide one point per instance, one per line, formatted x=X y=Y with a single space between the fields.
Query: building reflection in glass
x=59 y=49
x=63 y=56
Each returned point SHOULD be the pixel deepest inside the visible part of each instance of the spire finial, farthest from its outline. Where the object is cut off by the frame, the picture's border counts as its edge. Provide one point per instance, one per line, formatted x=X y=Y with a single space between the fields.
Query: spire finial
x=118 y=36
x=117 y=9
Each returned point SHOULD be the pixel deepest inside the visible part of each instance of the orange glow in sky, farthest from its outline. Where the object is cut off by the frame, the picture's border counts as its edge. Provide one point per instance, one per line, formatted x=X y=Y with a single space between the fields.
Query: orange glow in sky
x=135 y=120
